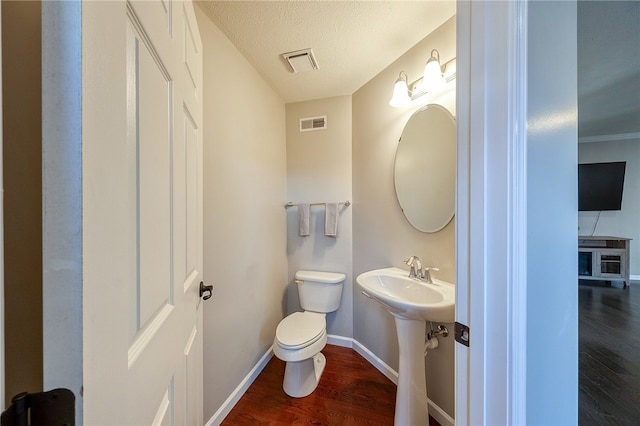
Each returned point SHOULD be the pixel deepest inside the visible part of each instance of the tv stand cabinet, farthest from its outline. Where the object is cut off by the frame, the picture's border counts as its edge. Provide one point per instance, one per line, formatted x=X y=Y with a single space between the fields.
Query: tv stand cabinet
x=603 y=258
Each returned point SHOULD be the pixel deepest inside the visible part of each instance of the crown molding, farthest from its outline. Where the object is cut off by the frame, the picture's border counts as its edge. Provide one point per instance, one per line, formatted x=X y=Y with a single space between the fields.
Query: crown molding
x=608 y=138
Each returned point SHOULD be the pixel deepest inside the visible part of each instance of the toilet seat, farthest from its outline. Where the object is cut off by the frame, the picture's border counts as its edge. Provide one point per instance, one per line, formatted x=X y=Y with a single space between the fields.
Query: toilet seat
x=300 y=329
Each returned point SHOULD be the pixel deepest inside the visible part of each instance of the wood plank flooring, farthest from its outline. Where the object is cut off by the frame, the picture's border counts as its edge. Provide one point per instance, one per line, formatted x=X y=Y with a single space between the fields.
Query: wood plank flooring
x=351 y=392
x=609 y=354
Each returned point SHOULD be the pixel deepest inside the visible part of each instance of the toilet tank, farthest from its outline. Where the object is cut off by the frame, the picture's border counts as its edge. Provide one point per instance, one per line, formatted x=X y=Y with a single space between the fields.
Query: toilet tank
x=319 y=291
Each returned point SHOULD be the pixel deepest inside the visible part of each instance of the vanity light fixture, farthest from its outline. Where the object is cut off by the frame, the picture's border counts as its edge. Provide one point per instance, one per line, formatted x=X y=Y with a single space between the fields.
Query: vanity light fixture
x=433 y=79
x=400 y=96
x=433 y=73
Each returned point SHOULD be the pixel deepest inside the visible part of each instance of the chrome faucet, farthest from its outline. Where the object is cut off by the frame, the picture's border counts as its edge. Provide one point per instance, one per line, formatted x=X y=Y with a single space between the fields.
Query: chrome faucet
x=415 y=267
x=417 y=271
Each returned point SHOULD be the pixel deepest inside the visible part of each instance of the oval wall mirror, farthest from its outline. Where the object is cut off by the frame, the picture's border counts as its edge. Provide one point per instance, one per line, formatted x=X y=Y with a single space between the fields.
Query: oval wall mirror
x=425 y=168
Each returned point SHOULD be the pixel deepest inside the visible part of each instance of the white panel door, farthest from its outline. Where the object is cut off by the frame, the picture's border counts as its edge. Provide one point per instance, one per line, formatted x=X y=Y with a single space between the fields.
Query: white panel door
x=151 y=372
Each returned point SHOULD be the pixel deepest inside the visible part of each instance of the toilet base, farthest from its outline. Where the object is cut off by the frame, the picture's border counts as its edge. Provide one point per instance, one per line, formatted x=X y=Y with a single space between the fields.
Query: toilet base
x=302 y=377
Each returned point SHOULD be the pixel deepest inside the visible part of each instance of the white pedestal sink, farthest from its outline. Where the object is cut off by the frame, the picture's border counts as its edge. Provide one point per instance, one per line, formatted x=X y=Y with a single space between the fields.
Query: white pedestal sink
x=412 y=303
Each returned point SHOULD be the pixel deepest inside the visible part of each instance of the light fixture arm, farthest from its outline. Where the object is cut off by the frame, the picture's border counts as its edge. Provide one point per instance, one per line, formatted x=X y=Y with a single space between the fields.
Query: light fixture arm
x=435 y=57
x=432 y=78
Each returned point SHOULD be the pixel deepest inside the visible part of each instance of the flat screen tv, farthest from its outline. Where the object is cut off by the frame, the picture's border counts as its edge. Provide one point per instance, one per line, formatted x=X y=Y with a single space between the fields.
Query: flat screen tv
x=600 y=186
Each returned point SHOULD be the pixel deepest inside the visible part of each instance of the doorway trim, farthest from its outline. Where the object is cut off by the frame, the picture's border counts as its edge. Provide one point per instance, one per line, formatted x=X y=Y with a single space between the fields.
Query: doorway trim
x=491 y=221
x=62 y=275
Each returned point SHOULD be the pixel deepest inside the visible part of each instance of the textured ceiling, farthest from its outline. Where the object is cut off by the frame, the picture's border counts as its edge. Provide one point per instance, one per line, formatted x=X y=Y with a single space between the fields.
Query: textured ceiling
x=355 y=40
x=352 y=40
x=608 y=68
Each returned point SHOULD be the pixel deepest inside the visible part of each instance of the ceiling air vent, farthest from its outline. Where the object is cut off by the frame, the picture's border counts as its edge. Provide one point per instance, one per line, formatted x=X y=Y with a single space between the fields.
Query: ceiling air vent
x=313 y=123
x=301 y=60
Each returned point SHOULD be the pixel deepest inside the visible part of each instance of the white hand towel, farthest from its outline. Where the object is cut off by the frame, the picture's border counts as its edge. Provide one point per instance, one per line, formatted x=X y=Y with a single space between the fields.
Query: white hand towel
x=303 y=219
x=331 y=219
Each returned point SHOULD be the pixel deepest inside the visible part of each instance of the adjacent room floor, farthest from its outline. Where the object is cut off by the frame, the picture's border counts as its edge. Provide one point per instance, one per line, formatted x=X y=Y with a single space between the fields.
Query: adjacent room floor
x=351 y=392
x=609 y=354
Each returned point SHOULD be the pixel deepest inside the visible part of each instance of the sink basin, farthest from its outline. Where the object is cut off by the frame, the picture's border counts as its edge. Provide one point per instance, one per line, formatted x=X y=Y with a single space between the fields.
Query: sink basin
x=409 y=298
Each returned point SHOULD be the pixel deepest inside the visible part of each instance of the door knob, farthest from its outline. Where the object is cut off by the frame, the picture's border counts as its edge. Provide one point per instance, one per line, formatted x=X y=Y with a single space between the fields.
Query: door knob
x=205 y=291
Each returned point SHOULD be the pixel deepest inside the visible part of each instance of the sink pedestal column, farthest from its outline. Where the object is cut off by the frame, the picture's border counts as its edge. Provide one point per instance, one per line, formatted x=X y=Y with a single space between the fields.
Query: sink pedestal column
x=411 y=397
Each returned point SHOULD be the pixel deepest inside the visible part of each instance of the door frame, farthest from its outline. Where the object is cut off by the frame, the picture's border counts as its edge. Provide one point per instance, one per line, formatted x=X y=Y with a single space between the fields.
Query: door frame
x=511 y=253
x=62 y=224
x=491 y=225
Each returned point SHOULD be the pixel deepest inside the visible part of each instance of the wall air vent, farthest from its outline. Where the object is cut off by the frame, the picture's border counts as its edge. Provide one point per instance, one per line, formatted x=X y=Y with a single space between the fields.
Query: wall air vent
x=301 y=60
x=313 y=123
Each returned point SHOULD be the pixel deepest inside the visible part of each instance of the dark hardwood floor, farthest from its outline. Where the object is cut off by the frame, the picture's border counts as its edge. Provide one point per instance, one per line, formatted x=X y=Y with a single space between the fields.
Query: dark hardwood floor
x=609 y=359
x=351 y=392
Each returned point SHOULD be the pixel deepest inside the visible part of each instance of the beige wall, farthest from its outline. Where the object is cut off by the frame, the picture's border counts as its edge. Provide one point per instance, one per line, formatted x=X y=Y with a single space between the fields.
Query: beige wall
x=382 y=236
x=319 y=170
x=22 y=195
x=244 y=219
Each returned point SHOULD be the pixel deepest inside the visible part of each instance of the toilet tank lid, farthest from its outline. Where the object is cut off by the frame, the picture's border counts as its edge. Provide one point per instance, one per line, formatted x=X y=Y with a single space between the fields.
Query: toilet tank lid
x=320 y=277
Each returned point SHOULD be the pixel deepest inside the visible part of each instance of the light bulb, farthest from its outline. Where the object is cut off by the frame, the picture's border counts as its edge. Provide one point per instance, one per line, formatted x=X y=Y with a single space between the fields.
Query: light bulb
x=400 y=96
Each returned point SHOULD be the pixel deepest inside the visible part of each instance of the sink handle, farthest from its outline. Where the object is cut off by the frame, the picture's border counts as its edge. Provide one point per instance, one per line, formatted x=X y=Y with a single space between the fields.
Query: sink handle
x=426 y=273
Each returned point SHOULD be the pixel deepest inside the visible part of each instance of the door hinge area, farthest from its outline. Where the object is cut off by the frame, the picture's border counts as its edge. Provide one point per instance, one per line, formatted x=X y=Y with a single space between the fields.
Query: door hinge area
x=462 y=333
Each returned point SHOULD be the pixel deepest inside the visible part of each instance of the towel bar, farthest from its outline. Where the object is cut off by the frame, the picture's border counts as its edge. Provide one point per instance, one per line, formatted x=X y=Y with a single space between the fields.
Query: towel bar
x=290 y=204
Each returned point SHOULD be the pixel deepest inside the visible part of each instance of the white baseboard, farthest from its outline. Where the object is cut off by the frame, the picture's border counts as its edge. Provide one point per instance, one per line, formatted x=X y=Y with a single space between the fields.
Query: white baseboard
x=440 y=415
x=435 y=411
x=235 y=396
x=634 y=277
x=346 y=342
x=379 y=364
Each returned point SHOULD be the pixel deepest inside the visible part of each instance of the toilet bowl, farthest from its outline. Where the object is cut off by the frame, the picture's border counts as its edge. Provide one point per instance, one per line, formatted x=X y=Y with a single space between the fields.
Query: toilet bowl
x=302 y=335
x=299 y=339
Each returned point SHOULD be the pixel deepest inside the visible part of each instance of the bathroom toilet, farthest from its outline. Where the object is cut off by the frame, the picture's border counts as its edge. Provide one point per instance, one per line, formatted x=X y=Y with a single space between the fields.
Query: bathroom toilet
x=302 y=335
